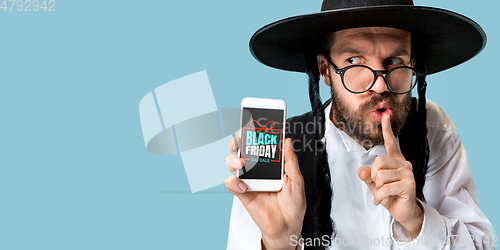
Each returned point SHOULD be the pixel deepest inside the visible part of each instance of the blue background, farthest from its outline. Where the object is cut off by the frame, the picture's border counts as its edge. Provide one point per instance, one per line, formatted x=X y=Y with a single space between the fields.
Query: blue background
x=74 y=170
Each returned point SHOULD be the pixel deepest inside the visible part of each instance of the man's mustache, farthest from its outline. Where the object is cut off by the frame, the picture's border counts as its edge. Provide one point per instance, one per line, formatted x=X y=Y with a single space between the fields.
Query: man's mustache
x=377 y=98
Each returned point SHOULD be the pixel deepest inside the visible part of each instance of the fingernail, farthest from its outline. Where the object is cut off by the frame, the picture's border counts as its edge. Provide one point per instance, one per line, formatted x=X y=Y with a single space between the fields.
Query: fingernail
x=242 y=186
x=287 y=143
x=364 y=169
x=237 y=161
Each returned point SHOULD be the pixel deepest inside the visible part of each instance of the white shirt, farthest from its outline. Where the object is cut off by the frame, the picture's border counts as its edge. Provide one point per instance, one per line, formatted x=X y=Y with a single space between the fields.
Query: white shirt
x=452 y=216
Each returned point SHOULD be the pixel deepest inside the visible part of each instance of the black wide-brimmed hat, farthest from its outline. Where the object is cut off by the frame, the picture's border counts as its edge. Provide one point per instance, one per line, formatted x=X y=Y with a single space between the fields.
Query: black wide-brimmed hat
x=447 y=38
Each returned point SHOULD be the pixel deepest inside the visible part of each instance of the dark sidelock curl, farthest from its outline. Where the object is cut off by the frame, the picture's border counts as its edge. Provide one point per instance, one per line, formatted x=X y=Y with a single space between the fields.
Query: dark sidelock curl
x=321 y=211
x=413 y=139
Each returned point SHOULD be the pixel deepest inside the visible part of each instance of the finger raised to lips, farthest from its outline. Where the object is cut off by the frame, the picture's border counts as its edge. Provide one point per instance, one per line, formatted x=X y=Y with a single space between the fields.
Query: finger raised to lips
x=390 y=142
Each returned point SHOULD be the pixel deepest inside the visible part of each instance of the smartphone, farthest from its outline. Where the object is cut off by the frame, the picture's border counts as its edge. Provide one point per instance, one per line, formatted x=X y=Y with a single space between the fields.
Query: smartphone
x=262 y=134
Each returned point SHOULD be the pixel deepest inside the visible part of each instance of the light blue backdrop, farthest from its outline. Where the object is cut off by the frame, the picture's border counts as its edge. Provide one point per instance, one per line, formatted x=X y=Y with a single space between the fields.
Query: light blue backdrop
x=74 y=171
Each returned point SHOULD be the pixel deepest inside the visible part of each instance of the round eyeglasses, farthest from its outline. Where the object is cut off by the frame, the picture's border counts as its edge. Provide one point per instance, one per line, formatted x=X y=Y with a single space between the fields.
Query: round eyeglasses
x=358 y=79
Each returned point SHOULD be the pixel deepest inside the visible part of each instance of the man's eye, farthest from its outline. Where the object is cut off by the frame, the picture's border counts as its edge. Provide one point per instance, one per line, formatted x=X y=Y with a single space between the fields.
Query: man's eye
x=394 y=61
x=354 y=60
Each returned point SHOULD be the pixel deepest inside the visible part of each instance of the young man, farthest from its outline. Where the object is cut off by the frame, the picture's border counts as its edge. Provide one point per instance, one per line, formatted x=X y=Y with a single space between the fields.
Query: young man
x=373 y=143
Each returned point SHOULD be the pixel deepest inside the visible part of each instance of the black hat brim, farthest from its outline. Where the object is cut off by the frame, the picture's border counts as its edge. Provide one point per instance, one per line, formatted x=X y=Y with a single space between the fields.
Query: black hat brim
x=447 y=38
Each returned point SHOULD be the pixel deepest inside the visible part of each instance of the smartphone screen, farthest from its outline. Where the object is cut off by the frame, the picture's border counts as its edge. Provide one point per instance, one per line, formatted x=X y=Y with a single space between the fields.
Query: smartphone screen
x=262 y=143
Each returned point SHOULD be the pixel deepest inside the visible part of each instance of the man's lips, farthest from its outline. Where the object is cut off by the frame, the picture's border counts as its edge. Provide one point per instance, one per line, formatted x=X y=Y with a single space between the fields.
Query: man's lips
x=379 y=110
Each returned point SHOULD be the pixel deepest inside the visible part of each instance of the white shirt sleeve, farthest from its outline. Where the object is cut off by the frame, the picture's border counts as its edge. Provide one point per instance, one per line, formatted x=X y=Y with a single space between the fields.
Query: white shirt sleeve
x=452 y=217
x=244 y=234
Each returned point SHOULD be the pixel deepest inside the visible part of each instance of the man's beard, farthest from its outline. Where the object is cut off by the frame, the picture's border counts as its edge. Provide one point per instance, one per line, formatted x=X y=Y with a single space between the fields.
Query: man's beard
x=352 y=123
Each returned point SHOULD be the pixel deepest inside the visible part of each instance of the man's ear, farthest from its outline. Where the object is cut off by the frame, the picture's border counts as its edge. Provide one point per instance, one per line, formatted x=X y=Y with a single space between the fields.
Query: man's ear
x=324 y=70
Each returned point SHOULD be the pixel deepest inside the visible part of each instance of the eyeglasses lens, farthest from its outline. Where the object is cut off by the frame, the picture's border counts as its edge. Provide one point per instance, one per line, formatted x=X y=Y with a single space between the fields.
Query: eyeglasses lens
x=359 y=79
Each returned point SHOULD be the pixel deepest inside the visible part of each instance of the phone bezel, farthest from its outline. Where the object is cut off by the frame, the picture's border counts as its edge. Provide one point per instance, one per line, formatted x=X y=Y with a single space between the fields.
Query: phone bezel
x=264 y=103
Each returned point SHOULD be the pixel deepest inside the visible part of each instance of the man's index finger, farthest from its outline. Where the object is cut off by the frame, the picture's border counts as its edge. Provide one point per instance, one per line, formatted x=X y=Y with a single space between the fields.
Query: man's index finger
x=390 y=142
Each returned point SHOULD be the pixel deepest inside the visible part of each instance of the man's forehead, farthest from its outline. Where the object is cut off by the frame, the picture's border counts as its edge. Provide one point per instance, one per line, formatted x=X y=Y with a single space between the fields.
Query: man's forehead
x=373 y=31
x=396 y=38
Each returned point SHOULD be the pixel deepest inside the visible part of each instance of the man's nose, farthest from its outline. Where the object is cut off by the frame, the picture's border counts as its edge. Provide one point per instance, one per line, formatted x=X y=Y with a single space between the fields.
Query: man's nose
x=379 y=86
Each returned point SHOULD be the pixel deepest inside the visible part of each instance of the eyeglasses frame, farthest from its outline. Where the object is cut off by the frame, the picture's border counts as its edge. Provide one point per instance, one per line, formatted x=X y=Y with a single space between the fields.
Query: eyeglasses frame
x=342 y=71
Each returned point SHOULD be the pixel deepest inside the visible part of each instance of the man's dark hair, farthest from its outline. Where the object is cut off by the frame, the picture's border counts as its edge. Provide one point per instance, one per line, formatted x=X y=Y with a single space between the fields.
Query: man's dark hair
x=412 y=140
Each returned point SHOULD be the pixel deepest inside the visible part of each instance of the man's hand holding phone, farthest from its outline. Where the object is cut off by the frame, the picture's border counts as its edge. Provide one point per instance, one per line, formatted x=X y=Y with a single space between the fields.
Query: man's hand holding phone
x=278 y=214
